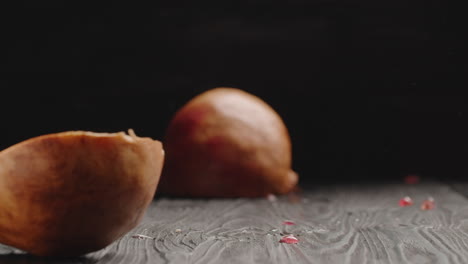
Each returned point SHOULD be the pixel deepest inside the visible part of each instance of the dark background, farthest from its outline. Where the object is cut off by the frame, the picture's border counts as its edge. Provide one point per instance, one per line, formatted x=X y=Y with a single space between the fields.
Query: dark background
x=359 y=84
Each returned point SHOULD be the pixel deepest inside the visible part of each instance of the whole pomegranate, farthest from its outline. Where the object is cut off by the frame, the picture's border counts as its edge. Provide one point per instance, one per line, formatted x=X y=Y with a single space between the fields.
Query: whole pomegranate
x=226 y=142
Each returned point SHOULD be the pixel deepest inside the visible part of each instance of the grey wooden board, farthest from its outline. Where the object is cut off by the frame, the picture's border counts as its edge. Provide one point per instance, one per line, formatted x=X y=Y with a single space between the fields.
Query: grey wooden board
x=344 y=224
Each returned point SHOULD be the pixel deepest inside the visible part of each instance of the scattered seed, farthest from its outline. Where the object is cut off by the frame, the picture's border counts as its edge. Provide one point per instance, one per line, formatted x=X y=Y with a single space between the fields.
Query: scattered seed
x=178 y=230
x=289 y=239
x=412 y=179
x=287 y=222
x=405 y=201
x=428 y=204
x=271 y=197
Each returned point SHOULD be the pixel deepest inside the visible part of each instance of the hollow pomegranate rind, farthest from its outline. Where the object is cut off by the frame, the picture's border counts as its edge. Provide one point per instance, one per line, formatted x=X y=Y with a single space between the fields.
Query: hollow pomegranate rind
x=70 y=193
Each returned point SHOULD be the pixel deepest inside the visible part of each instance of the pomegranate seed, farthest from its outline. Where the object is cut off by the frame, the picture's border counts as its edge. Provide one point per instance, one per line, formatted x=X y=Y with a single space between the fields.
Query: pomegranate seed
x=289 y=239
x=271 y=197
x=405 y=201
x=288 y=223
x=428 y=204
x=412 y=179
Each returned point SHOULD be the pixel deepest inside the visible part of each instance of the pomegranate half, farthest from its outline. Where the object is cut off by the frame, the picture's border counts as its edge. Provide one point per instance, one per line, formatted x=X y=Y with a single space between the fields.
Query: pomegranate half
x=71 y=193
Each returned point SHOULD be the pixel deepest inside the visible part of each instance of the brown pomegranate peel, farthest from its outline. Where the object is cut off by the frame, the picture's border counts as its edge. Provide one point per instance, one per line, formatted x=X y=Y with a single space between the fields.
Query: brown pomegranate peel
x=71 y=193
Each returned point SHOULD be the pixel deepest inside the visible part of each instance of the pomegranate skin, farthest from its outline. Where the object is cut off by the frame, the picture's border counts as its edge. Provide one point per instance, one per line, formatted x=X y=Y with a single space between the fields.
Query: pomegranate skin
x=71 y=193
x=226 y=142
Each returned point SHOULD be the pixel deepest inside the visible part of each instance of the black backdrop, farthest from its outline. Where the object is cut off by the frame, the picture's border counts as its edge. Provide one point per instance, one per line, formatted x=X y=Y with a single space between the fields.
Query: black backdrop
x=350 y=79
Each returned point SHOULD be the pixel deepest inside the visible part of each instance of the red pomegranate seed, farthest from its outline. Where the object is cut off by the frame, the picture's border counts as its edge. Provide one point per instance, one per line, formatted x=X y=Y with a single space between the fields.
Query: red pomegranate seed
x=428 y=204
x=288 y=223
x=289 y=239
x=412 y=179
x=271 y=197
x=405 y=201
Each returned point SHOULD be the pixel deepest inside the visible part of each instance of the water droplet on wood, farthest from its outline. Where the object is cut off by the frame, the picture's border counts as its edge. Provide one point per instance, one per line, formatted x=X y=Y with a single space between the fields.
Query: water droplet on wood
x=139 y=236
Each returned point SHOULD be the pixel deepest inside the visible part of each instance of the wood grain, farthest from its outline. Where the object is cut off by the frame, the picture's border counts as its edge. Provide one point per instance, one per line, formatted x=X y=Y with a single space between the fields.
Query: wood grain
x=340 y=224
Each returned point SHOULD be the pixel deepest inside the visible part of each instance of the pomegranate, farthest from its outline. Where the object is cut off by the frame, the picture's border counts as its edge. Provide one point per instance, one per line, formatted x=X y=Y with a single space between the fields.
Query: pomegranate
x=226 y=142
x=71 y=193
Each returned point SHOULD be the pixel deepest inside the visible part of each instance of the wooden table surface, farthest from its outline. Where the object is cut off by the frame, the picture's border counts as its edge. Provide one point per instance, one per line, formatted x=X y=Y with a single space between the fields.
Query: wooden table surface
x=334 y=224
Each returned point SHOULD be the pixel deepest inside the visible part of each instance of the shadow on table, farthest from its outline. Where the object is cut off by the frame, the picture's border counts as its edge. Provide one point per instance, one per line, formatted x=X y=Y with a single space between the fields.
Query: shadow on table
x=9 y=255
x=30 y=259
